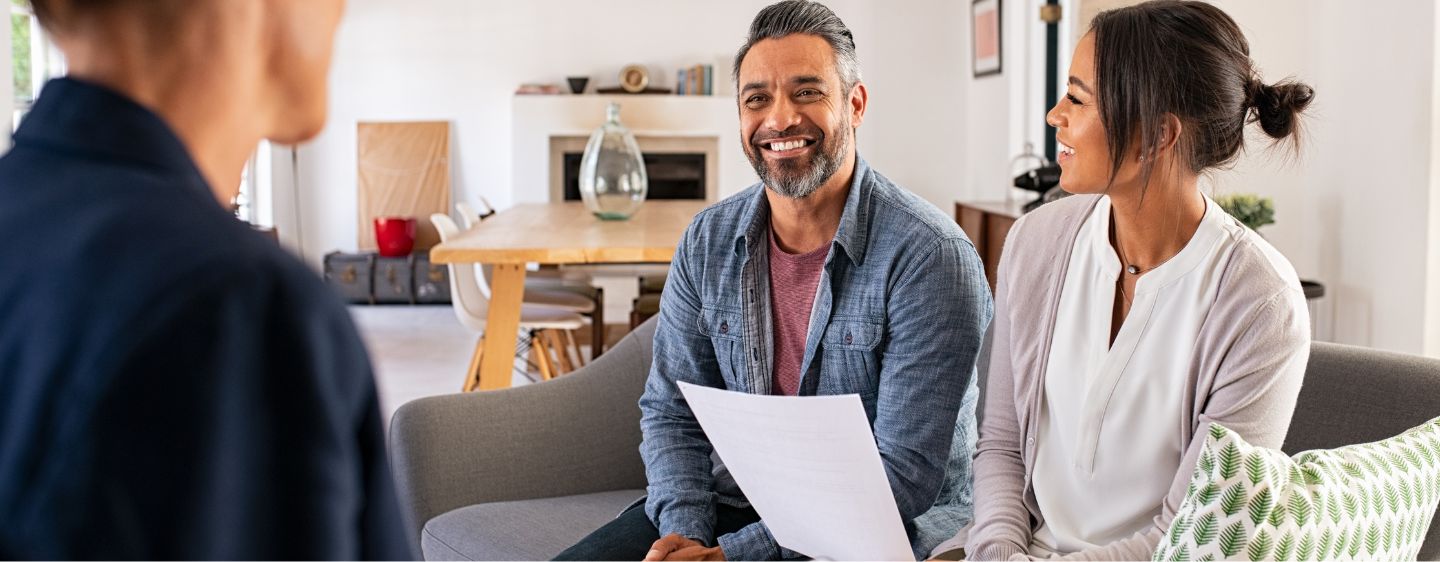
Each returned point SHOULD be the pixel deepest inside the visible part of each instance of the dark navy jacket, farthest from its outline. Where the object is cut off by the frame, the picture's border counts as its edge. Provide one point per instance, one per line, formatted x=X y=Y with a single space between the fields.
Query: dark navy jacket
x=172 y=385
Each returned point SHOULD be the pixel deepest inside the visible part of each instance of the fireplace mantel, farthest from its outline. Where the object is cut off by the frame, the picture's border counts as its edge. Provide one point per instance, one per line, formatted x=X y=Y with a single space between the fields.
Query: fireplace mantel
x=540 y=122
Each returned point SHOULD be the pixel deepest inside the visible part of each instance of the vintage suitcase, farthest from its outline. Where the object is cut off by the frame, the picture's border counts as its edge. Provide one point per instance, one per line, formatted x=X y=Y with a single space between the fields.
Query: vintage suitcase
x=351 y=275
x=393 y=280
x=432 y=281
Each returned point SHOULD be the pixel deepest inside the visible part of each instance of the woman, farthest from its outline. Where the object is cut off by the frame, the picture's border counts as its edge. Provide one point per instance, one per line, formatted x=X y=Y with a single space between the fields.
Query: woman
x=1134 y=314
x=177 y=386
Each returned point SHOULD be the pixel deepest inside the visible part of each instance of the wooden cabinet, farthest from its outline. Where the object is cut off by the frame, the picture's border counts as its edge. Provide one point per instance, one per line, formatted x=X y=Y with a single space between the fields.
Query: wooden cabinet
x=987 y=223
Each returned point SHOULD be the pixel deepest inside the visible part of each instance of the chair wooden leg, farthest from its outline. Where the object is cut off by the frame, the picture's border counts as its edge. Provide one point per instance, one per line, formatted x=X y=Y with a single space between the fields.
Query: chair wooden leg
x=579 y=353
x=539 y=349
x=562 y=354
x=597 y=325
x=472 y=375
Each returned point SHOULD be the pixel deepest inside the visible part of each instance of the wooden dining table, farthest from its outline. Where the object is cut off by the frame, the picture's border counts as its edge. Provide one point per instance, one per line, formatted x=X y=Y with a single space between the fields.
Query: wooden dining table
x=554 y=234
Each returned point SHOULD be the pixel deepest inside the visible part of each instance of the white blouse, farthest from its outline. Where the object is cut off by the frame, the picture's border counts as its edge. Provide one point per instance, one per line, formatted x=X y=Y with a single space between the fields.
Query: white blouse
x=1108 y=435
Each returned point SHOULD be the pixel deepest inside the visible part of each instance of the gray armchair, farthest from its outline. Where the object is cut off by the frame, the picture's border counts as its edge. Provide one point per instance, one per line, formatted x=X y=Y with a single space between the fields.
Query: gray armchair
x=1358 y=395
x=521 y=474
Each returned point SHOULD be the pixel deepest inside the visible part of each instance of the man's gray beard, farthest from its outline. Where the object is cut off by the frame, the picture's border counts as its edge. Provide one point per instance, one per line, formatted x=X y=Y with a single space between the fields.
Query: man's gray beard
x=801 y=185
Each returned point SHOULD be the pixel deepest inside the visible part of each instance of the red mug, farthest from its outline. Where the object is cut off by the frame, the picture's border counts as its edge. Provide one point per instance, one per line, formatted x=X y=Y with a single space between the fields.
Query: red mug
x=395 y=236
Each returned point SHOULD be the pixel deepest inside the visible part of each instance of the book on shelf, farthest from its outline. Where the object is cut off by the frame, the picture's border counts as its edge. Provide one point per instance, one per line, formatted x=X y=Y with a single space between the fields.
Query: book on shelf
x=697 y=80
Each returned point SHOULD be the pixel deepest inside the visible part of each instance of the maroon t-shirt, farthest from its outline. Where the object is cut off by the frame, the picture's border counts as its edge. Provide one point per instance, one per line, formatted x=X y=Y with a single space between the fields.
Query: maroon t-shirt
x=793 y=281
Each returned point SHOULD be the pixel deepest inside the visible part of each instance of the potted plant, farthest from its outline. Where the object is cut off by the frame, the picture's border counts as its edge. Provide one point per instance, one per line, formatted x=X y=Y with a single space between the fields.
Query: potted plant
x=1251 y=210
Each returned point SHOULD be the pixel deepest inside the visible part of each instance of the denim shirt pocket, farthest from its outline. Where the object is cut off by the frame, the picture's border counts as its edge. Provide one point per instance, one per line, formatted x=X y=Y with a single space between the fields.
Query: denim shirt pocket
x=724 y=327
x=851 y=345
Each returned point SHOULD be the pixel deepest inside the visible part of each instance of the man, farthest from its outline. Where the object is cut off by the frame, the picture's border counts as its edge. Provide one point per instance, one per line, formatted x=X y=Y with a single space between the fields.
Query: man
x=824 y=279
x=176 y=386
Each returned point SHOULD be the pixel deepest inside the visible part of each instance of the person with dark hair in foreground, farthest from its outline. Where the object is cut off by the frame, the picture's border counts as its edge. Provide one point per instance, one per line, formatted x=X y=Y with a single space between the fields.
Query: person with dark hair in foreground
x=1132 y=315
x=177 y=386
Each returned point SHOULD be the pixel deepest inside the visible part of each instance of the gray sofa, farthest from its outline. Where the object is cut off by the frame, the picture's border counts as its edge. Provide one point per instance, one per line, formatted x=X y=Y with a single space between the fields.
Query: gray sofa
x=521 y=474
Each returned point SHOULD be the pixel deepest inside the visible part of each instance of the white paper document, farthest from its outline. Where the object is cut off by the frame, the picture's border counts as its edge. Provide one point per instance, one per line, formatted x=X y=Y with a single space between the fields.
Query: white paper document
x=810 y=468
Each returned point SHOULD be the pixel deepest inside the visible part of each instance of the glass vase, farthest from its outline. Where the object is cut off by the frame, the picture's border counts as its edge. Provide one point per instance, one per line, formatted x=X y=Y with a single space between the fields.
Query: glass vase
x=612 y=170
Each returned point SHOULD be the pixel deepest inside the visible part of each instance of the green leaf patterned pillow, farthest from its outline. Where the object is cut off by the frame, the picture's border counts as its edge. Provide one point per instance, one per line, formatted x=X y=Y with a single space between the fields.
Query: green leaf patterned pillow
x=1363 y=502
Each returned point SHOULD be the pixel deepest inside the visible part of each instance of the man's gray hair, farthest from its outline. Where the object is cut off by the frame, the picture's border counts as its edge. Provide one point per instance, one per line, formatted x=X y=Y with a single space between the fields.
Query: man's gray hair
x=812 y=18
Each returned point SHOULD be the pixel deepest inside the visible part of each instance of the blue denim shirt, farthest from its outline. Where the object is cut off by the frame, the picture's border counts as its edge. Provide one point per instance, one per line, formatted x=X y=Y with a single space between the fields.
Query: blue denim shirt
x=898 y=319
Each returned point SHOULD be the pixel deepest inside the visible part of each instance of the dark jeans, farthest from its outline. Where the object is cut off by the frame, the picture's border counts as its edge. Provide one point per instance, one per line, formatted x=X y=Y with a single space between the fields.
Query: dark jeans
x=629 y=536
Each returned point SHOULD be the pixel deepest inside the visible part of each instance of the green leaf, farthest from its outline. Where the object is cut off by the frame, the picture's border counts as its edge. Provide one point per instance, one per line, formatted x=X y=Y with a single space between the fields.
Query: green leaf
x=1285 y=547
x=1389 y=541
x=1312 y=475
x=1232 y=539
x=1206 y=527
x=1178 y=528
x=1352 y=505
x=1352 y=469
x=1355 y=543
x=1277 y=515
x=1217 y=432
x=1377 y=501
x=1327 y=539
x=1392 y=497
x=1383 y=466
x=1297 y=478
x=1333 y=506
x=1317 y=503
x=1306 y=551
x=1260 y=506
x=1414 y=458
x=1372 y=540
x=1229 y=460
x=1206 y=495
x=1233 y=500
x=1255 y=468
x=1407 y=498
x=1206 y=463
x=1398 y=462
x=1300 y=509
x=1260 y=546
x=1181 y=555
x=1206 y=558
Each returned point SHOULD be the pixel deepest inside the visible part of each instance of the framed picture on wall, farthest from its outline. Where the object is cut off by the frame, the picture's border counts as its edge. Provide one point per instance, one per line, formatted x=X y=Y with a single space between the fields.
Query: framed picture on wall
x=985 y=37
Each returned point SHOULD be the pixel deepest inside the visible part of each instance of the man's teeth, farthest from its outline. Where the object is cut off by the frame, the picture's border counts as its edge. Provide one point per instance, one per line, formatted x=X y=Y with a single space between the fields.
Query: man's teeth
x=788 y=145
x=1067 y=150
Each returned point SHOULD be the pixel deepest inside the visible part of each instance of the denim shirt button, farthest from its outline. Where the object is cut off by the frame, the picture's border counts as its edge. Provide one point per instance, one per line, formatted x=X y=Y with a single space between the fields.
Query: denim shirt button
x=724 y=327
x=849 y=339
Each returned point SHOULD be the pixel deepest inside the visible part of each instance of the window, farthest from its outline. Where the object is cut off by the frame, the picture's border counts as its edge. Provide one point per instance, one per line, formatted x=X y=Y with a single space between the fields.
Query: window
x=253 y=203
x=33 y=58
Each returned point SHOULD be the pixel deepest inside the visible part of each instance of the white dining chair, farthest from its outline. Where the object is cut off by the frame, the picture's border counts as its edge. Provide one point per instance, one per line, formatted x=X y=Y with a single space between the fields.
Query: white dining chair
x=559 y=288
x=548 y=329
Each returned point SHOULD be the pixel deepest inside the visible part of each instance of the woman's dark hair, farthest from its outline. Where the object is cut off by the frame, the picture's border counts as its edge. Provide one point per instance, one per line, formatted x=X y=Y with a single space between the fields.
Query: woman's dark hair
x=1189 y=59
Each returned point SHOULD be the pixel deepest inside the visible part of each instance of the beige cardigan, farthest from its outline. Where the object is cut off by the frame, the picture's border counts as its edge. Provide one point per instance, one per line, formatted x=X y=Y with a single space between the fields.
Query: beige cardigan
x=1245 y=374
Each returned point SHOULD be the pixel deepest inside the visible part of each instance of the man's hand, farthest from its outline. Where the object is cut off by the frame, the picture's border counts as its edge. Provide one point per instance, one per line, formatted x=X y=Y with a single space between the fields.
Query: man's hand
x=676 y=547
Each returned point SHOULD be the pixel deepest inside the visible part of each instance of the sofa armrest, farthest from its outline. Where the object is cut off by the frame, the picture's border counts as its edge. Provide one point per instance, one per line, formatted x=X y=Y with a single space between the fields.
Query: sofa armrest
x=576 y=434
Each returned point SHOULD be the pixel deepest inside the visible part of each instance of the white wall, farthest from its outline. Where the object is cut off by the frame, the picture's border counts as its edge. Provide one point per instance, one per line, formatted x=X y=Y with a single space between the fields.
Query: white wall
x=1355 y=211
x=1432 y=292
x=460 y=60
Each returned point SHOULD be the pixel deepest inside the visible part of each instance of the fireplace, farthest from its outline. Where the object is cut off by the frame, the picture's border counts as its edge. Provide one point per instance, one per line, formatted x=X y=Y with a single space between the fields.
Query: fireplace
x=677 y=166
x=672 y=176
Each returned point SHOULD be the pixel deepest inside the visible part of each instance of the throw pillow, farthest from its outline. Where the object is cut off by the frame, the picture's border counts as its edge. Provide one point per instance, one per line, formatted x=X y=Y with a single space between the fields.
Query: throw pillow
x=1362 y=502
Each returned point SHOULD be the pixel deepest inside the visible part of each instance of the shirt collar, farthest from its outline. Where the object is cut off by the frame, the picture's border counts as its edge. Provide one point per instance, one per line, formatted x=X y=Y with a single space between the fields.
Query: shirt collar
x=91 y=120
x=854 y=219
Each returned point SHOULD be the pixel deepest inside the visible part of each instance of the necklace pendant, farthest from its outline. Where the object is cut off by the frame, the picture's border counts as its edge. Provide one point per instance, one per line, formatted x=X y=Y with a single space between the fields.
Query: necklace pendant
x=1131 y=269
